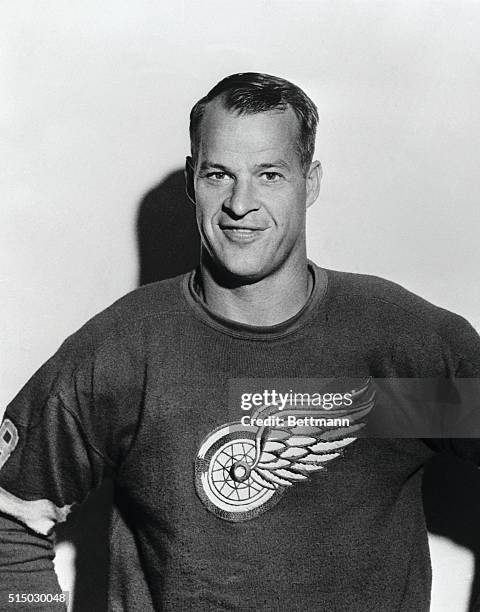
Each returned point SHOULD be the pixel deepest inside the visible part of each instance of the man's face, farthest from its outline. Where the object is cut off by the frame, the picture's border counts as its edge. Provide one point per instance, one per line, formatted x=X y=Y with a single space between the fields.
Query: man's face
x=251 y=192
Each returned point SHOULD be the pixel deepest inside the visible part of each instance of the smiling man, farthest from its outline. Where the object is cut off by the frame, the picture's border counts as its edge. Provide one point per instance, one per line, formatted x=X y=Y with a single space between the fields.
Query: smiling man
x=228 y=515
x=252 y=178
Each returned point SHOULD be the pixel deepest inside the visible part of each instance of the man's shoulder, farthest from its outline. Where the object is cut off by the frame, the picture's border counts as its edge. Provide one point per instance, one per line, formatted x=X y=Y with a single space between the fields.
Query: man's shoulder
x=153 y=299
x=378 y=295
x=144 y=306
x=377 y=288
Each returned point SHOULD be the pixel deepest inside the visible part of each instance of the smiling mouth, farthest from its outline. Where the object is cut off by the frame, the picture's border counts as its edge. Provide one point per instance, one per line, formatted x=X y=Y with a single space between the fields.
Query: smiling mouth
x=241 y=234
x=243 y=228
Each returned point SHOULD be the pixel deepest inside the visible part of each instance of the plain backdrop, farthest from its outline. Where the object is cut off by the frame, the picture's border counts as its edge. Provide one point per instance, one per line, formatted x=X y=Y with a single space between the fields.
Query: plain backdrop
x=94 y=110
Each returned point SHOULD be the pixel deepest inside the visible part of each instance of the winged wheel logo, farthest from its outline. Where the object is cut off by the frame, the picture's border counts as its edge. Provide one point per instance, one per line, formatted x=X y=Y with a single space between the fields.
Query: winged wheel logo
x=242 y=470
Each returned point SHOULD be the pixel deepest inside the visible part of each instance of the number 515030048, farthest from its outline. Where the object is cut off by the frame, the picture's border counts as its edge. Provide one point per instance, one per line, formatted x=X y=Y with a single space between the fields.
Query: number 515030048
x=39 y=597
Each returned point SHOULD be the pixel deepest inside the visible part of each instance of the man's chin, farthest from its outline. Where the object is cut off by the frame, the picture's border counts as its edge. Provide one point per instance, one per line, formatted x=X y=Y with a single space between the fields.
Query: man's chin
x=236 y=274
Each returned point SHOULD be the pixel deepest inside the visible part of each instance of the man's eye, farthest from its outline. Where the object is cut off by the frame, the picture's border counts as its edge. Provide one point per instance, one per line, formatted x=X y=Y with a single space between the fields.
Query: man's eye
x=272 y=177
x=217 y=176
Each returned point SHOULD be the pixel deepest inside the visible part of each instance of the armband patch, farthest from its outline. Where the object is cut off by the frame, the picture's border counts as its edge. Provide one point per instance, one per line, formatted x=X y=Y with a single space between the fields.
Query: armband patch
x=8 y=440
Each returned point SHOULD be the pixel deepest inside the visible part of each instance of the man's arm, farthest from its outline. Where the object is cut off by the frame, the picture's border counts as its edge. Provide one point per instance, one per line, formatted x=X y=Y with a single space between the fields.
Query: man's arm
x=462 y=411
x=26 y=569
x=51 y=456
x=48 y=466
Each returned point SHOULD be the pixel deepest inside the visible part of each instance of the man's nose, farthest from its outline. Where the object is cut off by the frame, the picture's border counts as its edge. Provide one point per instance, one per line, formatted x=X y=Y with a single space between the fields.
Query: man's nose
x=241 y=199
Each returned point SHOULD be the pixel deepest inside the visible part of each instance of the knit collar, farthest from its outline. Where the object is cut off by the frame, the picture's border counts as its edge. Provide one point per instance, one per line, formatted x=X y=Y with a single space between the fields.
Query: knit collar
x=257 y=332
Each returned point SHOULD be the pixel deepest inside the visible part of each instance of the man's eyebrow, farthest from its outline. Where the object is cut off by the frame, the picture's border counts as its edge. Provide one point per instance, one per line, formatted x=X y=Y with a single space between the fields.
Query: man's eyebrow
x=210 y=164
x=278 y=163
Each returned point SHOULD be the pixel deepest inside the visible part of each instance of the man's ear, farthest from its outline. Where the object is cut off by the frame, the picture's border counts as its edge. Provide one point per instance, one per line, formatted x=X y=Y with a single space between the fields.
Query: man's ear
x=314 y=177
x=189 y=182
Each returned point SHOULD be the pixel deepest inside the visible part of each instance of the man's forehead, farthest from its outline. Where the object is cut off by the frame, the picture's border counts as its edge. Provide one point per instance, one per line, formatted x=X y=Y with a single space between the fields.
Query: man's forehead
x=256 y=132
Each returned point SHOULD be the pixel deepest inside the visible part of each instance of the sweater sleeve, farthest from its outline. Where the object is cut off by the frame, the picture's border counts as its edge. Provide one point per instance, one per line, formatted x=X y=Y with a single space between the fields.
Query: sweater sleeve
x=26 y=569
x=462 y=418
x=47 y=465
x=61 y=435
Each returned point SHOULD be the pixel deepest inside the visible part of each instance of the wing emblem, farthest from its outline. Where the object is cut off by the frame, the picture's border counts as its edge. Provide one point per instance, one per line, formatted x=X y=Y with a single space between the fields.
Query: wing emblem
x=241 y=470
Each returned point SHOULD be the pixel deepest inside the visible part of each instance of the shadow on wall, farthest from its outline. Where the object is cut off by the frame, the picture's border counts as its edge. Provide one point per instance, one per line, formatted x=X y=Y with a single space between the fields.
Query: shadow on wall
x=168 y=239
x=168 y=244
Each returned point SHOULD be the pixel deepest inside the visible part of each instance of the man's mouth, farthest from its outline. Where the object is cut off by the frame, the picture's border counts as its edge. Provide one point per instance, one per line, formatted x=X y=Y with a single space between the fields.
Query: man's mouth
x=244 y=233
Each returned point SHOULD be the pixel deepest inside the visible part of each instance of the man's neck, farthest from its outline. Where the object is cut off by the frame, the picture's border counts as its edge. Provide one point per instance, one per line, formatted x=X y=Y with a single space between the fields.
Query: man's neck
x=269 y=301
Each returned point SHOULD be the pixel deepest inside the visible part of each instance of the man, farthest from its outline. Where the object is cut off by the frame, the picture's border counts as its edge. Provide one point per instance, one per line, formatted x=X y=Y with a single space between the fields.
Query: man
x=143 y=392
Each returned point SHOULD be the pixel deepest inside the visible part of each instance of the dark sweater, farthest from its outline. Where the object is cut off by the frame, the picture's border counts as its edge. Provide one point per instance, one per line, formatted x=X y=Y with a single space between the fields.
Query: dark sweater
x=136 y=391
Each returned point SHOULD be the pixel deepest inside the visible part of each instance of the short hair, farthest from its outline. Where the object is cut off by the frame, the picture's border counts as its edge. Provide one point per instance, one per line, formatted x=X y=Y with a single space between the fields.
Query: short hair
x=253 y=92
